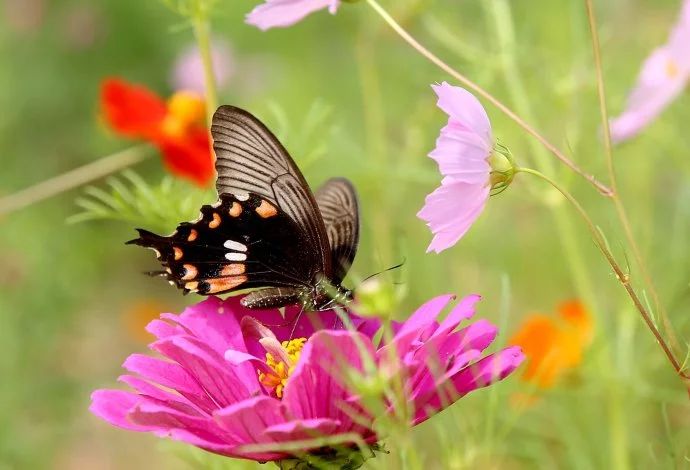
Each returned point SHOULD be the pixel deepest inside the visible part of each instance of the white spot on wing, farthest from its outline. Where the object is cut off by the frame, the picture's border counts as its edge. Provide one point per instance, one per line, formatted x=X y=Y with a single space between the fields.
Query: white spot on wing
x=235 y=256
x=241 y=197
x=233 y=245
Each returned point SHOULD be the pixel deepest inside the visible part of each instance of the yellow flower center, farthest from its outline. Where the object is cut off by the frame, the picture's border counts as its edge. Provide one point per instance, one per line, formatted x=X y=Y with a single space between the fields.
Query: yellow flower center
x=281 y=370
x=185 y=110
x=672 y=69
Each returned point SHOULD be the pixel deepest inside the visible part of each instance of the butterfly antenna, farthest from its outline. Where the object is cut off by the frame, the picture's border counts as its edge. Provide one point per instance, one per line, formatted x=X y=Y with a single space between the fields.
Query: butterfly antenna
x=399 y=265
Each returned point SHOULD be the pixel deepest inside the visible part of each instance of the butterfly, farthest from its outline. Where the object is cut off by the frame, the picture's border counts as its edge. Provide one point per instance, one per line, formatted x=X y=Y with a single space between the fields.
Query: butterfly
x=267 y=230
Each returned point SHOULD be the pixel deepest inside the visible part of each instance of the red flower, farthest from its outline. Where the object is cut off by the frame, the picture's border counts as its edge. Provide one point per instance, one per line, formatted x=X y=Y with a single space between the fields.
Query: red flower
x=177 y=127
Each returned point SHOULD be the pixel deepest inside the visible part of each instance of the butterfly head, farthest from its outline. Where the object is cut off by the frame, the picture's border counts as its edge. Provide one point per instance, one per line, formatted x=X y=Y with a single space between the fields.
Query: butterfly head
x=325 y=295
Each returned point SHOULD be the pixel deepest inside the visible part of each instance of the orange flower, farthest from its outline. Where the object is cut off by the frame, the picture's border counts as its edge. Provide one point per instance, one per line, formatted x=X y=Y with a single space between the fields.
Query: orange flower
x=554 y=346
x=177 y=127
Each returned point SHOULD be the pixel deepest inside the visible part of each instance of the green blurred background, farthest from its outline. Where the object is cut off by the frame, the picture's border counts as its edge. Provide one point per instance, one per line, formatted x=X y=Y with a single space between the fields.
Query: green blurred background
x=349 y=98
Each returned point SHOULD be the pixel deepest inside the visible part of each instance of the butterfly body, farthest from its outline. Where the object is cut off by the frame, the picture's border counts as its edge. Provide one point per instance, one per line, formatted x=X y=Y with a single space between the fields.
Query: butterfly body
x=267 y=230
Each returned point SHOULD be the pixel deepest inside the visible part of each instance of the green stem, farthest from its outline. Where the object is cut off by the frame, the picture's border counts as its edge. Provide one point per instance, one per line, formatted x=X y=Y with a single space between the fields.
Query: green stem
x=622 y=276
x=602 y=188
x=615 y=197
x=202 y=33
x=73 y=179
x=503 y=30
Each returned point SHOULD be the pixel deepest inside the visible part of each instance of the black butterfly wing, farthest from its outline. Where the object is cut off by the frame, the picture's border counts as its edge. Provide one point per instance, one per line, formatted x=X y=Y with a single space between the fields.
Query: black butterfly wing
x=337 y=200
x=250 y=159
x=238 y=243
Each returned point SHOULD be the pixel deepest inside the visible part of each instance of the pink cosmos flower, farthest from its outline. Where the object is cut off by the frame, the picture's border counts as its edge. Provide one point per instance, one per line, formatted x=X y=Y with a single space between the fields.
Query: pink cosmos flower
x=462 y=152
x=234 y=383
x=282 y=13
x=664 y=75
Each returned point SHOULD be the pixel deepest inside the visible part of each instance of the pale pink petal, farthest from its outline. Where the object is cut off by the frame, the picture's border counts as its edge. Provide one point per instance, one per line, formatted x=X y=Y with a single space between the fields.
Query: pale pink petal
x=659 y=84
x=451 y=210
x=462 y=156
x=464 y=110
x=282 y=13
x=663 y=77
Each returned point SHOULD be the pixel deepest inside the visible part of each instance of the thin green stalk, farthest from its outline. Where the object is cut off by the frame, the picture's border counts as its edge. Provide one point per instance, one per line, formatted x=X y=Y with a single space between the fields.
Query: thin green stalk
x=499 y=10
x=375 y=130
x=616 y=197
x=602 y=188
x=202 y=33
x=622 y=276
x=73 y=179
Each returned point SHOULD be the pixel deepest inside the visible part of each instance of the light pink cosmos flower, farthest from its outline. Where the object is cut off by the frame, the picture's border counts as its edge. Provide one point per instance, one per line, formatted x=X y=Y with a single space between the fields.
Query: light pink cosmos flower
x=188 y=71
x=282 y=13
x=664 y=75
x=231 y=379
x=462 y=152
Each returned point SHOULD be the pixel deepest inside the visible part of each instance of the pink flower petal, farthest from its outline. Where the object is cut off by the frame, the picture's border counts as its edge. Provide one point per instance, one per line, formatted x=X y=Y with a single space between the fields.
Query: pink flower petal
x=317 y=387
x=663 y=77
x=462 y=155
x=224 y=384
x=247 y=420
x=113 y=406
x=170 y=375
x=451 y=210
x=282 y=13
x=464 y=110
x=302 y=429
x=464 y=310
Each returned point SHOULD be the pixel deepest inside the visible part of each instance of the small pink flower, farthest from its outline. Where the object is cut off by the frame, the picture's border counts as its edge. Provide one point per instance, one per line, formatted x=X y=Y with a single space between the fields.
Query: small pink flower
x=234 y=377
x=663 y=77
x=282 y=13
x=462 y=152
x=188 y=71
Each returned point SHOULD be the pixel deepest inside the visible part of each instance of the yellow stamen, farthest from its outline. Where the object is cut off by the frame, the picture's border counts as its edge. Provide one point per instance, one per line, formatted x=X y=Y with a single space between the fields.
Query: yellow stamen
x=276 y=380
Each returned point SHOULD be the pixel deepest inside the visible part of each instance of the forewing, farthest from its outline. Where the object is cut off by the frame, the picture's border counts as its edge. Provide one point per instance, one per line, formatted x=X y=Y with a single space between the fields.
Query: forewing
x=337 y=200
x=238 y=243
x=250 y=159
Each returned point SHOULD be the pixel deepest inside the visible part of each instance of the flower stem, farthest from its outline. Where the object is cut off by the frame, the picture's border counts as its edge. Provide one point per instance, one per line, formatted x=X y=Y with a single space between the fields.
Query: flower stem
x=602 y=188
x=202 y=33
x=622 y=276
x=615 y=197
x=72 y=179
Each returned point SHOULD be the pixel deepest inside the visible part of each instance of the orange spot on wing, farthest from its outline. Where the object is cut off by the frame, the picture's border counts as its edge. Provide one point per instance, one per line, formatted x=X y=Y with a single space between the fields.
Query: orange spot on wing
x=235 y=210
x=192 y=235
x=215 y=222
x=177 y=253
x=232 y=269
x=222 y=284
x=190 y=272
x=266 y=209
